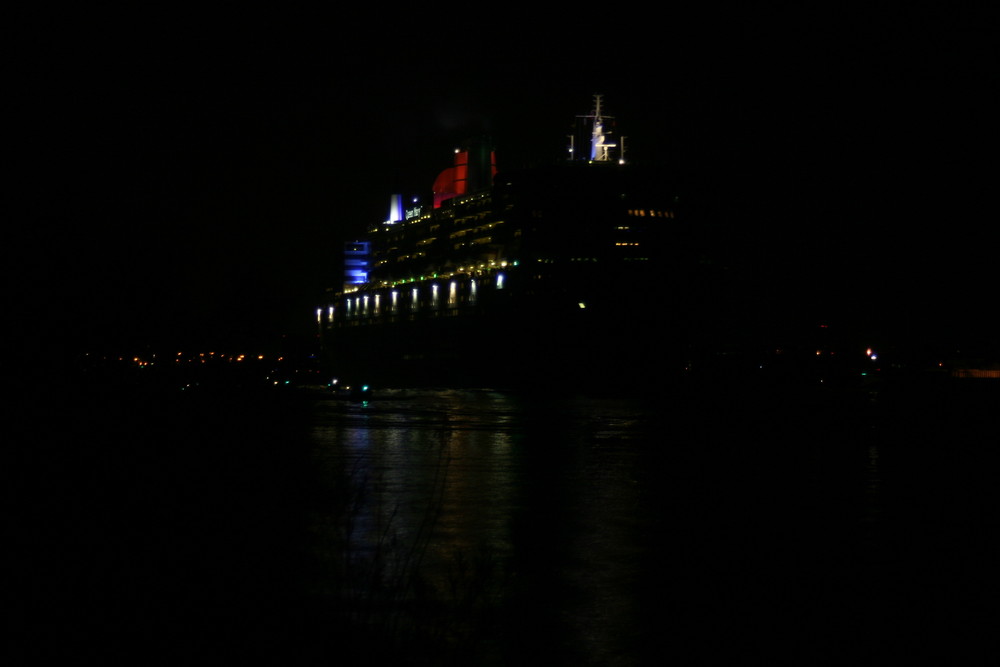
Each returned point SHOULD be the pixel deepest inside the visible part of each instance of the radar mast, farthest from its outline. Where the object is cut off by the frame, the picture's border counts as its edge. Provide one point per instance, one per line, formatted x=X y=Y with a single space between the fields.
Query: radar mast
x=600 y=147
x=598 y=141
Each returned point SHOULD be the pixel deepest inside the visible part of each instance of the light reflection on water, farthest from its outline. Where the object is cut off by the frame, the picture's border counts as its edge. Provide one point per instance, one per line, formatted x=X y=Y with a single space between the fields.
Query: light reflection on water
x=423 y=459
x=600 y=531
x=725 y=529
x=544 y=491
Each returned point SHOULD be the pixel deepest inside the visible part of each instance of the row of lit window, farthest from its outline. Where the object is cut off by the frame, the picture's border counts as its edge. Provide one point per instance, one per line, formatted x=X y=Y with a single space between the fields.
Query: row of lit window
x=483 y=269
x=472 y=269
x=644 y=213
x=435 y=227
x=372 y=304
x=201 y=357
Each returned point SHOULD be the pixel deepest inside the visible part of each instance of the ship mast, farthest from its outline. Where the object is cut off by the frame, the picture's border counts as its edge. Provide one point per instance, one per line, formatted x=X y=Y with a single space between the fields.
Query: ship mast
x=599 y=144
x=598 y=141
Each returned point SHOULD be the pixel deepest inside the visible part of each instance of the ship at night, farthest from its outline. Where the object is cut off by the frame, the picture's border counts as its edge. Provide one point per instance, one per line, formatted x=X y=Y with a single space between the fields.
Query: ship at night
x=590 y=270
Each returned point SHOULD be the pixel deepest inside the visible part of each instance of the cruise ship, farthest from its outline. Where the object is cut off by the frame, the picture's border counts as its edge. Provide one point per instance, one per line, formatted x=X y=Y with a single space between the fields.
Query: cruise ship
x=577 y=272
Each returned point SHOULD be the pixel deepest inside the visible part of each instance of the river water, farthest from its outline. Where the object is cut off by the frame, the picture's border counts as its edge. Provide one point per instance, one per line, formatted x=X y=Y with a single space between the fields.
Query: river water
x=483 y=527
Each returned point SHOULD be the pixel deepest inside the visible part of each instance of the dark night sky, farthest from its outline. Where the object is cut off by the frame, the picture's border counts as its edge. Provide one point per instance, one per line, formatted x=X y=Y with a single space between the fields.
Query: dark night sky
x=188 y=177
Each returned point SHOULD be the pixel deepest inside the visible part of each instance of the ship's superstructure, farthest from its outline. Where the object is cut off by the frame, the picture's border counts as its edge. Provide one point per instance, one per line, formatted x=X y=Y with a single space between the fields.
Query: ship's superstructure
x=508 y=276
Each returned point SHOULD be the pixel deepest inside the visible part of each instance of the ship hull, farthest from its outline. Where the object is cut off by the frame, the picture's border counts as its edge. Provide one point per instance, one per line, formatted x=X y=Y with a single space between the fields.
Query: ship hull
x=519 y=341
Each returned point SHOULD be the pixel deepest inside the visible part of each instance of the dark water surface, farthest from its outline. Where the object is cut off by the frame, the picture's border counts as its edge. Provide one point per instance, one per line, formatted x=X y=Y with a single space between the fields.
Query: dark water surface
x=477 y=527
